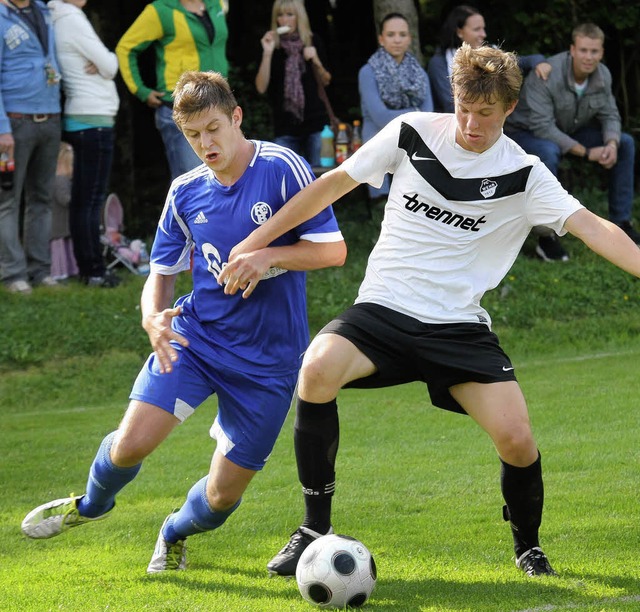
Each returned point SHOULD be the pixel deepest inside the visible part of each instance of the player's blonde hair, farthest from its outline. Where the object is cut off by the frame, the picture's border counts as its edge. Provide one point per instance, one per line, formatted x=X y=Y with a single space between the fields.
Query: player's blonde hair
x=196 y=92
x=486 y=74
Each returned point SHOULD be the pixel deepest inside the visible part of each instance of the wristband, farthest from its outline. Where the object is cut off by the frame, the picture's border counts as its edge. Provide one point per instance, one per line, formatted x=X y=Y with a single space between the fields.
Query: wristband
x=587 y=151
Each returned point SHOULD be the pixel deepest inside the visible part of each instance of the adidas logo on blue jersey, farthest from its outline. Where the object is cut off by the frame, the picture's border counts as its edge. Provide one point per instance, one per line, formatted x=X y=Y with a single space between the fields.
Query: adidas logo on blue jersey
x=200 y=218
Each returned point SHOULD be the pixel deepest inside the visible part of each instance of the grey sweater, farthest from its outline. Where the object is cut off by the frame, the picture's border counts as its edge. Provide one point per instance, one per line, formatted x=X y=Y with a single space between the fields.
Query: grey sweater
x=551 y=109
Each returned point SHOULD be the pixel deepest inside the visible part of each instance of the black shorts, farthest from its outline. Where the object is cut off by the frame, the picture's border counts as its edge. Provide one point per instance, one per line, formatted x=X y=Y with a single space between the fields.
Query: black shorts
x=404 y=350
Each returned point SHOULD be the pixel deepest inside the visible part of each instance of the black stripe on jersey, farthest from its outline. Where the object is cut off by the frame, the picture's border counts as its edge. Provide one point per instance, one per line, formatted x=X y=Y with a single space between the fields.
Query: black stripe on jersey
x=458 y=189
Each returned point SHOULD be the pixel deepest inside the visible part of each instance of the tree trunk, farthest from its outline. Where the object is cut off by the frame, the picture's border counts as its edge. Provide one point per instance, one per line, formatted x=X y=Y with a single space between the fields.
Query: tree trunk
x=406 y=8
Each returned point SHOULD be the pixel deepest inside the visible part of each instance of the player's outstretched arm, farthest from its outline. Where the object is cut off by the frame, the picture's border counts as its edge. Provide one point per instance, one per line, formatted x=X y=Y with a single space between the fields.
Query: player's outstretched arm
x=307 y=203
x=251 y=267
x=606 y=239
x=155 y=304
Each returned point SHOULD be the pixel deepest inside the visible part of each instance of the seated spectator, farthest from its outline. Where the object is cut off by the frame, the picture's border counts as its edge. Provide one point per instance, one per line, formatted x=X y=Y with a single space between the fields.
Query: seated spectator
x=63 y=262
x=91 y=103
x=466 y=24
x=391 y=83
x=292 y=68
x=574 y=112
x=185 y=35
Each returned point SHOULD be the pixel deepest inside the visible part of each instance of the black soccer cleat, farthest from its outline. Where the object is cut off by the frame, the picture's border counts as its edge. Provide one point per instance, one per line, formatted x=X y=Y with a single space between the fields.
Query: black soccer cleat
x=286 y=561
x=535 y=563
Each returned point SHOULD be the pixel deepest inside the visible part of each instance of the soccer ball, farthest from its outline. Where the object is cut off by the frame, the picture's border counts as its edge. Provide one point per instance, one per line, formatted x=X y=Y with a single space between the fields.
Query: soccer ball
x=336 y=571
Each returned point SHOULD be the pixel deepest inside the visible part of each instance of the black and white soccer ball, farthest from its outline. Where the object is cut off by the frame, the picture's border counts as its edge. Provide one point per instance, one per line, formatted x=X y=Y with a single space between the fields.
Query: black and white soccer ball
x=336 y=571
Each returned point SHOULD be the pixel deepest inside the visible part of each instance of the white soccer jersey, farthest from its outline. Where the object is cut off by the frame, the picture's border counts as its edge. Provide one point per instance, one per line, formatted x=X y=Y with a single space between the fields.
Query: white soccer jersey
x=267 y=333
x=455 y=220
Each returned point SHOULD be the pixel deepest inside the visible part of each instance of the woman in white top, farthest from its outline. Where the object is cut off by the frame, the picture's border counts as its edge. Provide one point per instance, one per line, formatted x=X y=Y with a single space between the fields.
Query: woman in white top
x=91 y=103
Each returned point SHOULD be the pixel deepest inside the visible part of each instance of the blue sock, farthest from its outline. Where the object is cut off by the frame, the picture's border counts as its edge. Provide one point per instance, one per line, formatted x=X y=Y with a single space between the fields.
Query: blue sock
x=196 y=515
x=105 y=481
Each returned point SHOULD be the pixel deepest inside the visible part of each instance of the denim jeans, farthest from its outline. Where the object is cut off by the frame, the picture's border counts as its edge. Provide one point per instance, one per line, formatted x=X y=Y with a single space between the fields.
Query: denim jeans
x=35 y=155
x=307 y=146
x=93 y=155
x=180 y=155
x=621 y=176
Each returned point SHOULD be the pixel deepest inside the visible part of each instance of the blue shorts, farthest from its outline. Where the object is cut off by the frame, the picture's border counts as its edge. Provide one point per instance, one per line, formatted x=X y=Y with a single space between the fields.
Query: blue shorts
x=251 y=409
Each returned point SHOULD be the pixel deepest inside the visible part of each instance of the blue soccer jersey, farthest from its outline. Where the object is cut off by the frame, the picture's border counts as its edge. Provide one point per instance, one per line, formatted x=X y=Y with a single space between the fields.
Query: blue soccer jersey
x=266 y=333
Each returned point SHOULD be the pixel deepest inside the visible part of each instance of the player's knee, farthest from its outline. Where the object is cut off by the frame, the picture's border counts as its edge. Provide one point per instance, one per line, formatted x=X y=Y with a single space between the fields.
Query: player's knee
x=219 y=499
x=517 y=446
x=125 y=452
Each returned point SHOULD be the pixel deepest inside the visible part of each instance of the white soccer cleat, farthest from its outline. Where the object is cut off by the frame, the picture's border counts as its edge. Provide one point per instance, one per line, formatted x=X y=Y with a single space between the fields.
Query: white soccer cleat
x=55 y=517
x=167 y=556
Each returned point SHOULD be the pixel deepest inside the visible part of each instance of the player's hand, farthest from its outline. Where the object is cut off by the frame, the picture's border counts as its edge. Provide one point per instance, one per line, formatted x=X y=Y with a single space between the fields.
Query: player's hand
x=244 y=272
x=6 y=144
x=90 y=68
x=154 y=99
x=158 y=328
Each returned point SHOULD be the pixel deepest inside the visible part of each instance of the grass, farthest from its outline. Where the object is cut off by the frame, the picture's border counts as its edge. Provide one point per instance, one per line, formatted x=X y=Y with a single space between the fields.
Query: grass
x=419 y=486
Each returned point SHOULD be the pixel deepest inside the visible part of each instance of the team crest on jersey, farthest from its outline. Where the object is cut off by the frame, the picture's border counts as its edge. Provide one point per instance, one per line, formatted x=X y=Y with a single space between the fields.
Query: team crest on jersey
x=261 y=212
x=488 y=188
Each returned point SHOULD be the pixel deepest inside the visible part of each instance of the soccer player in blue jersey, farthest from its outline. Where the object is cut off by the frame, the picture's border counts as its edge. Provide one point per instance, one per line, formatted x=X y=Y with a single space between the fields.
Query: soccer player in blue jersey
x=247 y=352
x=464 y=198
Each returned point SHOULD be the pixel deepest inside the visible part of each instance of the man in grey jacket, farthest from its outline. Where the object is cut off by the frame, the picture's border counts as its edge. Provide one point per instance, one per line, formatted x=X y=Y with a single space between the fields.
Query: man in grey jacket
x=574 y=113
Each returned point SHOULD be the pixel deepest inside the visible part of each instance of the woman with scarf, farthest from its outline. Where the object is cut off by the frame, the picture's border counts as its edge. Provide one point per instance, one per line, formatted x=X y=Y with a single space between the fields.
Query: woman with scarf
x=292 y=68
x=391 y=83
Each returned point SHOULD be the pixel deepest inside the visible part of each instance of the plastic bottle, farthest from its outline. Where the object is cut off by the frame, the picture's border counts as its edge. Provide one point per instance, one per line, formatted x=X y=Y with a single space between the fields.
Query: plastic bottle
x=7 y=166
x=356 y=136
x=342 y=143
x=327 y=153
x=143 y=262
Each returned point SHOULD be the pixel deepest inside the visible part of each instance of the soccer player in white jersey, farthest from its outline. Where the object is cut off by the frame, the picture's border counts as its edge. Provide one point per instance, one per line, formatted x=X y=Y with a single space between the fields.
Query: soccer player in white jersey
x=463 y=199
x=246 y=352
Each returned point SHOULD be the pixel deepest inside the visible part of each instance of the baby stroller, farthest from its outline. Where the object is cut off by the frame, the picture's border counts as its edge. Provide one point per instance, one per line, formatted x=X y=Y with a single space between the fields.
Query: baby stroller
x=118 y=249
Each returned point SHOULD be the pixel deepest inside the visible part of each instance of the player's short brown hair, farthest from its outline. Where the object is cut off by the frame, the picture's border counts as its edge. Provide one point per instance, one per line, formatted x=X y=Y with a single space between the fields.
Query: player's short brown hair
x=486 y=74
x=588 y=30
x=196 y=92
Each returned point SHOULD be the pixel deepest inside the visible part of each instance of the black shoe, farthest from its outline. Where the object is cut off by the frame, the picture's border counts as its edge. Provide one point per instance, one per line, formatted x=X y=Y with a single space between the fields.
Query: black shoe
x=535 y=563
x=550 y=249
x=286 y=561
x=628 y=229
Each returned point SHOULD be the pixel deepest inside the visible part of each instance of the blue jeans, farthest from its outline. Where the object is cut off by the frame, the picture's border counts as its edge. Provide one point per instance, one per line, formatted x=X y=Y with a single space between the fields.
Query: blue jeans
x=35 y=155
x=621 y=175
x=180 y=155
x=308 y=146
x=93 y=155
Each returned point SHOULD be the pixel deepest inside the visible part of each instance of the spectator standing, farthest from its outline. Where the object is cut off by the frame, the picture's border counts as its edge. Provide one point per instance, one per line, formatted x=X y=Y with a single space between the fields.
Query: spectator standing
x=246 y=351
x=91 y=103
x=292 y=68
x=29 y=135
x=185 y=35
x=391 y=83
x=574 y=113
x=63 y=262
x=466 y=24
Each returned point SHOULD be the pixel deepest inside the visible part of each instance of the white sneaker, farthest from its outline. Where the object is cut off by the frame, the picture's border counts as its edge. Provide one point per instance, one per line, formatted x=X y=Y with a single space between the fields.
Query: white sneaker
x=49 y=281
x=55 y=517
x=167 y=556
x=19 y=286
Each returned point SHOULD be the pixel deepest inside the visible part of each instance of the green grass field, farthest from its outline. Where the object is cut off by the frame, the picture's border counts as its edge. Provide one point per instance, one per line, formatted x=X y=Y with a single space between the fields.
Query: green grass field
x=419 y=486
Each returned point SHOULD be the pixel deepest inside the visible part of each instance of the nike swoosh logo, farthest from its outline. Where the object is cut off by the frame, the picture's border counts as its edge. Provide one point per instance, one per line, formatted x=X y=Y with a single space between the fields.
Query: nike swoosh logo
x=506 y=369
x=416 y=157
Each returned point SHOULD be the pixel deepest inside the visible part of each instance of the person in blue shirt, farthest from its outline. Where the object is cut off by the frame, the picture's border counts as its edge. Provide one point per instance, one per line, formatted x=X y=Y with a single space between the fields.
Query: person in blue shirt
x=247 y=352
x=391 y=83
x=30 y=139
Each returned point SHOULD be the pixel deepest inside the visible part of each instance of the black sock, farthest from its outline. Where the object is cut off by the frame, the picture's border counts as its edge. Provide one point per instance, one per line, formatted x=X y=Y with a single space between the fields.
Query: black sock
x=523 y=491
x=315 y=437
